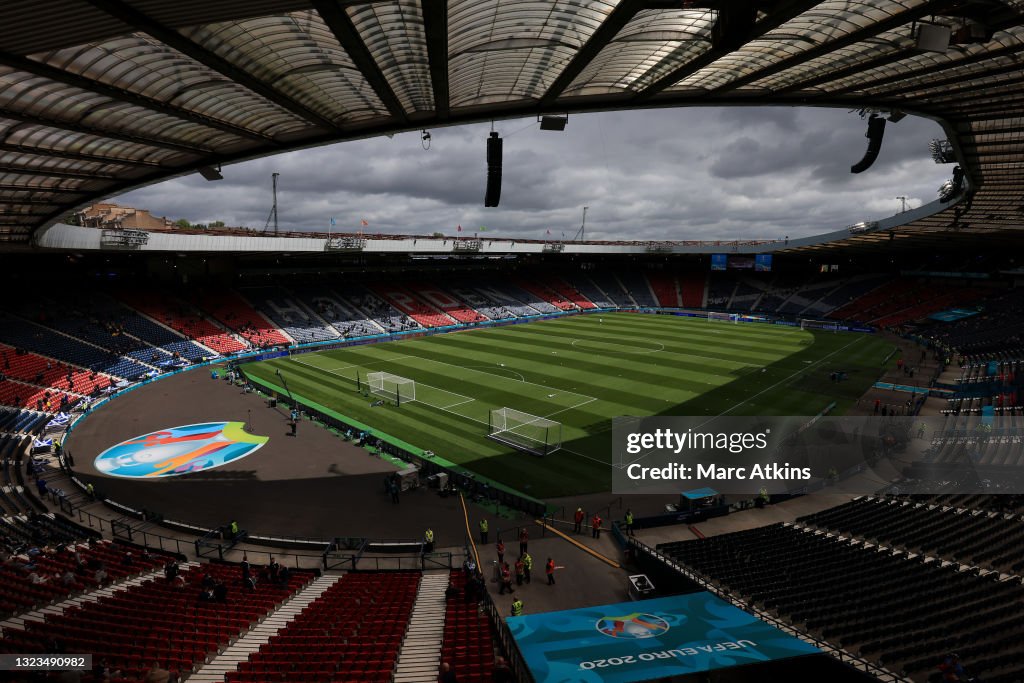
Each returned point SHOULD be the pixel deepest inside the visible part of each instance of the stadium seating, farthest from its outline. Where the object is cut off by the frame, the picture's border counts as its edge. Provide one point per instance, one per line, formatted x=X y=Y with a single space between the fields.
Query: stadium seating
x=290 y=314
x=468 y=644
x=720 y=289
x=418 y=310
x=156 y=621
x=34 y=369
x=545 y=299
x=587 y=288
x=612 y=288
x=144 y=329
x=350 y=634
x=665 y=287
x=443 y=301
x=378 y=310
x=499 y=301
x=691 y=289
x=230 y=310
x=904 y=612
x=569 y=293
x=998 y=327
x=184 y=319
x=339 y=313
x=23 y=334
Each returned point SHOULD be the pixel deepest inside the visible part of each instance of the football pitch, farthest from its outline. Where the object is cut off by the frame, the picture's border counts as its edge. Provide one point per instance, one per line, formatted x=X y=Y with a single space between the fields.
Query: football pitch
x=582 y=371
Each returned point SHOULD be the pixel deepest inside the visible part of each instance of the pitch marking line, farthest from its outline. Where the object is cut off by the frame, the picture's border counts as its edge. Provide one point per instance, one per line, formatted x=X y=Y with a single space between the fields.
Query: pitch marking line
x=749 y=400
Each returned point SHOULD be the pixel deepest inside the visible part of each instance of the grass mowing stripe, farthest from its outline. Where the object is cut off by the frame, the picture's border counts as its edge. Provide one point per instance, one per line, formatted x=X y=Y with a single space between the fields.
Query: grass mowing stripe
x=705 y=368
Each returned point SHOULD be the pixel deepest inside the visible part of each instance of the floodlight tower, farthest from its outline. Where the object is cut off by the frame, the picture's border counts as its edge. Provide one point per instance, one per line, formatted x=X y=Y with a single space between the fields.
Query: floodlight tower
x=273 y=209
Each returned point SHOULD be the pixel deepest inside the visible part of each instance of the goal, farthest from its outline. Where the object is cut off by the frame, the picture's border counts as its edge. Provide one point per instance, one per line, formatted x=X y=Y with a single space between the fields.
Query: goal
x=808 y=324
x=524 y=432
x=724 y=317
x=390 y=387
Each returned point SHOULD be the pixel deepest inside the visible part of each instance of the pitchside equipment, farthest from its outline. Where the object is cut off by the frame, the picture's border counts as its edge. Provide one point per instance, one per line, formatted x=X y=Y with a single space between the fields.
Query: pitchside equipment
x=829 y=325
x=524 y=432
x=390 y=387
x=724 y=317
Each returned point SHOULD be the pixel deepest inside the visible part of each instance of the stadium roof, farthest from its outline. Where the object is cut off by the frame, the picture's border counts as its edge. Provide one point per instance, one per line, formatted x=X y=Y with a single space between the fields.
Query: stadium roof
x=98 y=96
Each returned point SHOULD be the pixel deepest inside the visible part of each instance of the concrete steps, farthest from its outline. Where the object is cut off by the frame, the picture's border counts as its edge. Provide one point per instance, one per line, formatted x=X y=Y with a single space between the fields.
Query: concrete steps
x=420 y=656
x=239 y=651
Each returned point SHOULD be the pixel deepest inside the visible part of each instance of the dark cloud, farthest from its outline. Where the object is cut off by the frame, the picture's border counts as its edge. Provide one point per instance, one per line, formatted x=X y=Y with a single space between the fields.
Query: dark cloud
x=666 y=173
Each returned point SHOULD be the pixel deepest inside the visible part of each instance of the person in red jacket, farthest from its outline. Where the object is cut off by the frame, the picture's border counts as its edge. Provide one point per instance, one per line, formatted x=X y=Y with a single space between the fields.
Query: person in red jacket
x=524 y=539
x=550 y=569
x=500 y=547
x=595 y=525
x=578 y=528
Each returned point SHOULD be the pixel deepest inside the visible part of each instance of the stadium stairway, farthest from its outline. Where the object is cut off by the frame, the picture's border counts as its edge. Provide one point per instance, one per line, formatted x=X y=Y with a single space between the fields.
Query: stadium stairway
x=238 y=652
x=420 y=655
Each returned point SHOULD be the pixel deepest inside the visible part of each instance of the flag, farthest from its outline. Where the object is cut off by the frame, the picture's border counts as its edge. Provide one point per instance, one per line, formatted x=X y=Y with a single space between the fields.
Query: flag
x=483 y=229
x=549 y=232
x=333 y=222
x=364 y=223
x=459 y=229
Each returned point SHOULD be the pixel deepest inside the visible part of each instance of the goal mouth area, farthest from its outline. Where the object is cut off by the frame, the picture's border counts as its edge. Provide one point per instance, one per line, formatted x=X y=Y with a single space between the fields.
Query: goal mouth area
x=538 y=449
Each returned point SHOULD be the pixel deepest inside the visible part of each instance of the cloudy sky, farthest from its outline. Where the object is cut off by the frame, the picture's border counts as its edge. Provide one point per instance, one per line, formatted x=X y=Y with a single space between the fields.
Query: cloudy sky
x=694 y=173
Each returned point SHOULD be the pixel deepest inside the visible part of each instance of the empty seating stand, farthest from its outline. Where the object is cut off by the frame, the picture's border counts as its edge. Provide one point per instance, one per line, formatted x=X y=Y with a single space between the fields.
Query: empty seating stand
x=468 y=644
x=155 y=621
x=230 y=310
x=416 y=309
x=184 y=319
x=349 y=634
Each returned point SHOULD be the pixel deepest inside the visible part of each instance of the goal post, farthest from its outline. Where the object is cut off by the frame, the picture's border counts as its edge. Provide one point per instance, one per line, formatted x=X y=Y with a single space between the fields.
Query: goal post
x=523 y=431
x=810 y=324
x=390 y=387
x=714 y=316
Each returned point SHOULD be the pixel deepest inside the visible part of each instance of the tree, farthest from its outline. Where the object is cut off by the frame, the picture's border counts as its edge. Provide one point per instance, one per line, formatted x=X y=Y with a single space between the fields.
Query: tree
x=217 y=224
x=438 y=234
x=182 y=223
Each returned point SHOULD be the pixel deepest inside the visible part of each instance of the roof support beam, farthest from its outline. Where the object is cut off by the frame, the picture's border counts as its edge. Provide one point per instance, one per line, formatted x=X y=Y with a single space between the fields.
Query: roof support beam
x=859 y=67
x=55 y=173
x=852 y=38
x=609 y=28
x=168 y=36
x=8 y=187
x=21 y=201
x=76 y=156
x=435 y=26
x=344 y=30
x=86 y=129
x=786 y=11
x=67 y=78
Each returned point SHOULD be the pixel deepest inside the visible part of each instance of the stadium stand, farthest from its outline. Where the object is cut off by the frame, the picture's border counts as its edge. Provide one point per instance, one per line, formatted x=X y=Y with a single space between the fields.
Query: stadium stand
x=468 y=644
x=138 y=326
x=665 y=287
x=485 y=304
x=154 y=621
x=351 y=633
x=545 y=299
x=691 y=288
x=27 y=335
x=181 y=317
x=905 y=612
x=569 y=292
x=998 y=327
x=290 y=314
x=506 y=297
x=443 y=301
x=583 y=285
x=230 y=310
x=418 y=310
x=611 y=287
x=637 y=287
x=34 y=369
x=376 y=309
x=338 y=313
x=720 y=289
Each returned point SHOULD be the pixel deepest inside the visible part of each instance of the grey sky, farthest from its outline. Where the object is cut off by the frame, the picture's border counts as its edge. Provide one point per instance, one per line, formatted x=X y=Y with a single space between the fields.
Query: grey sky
x=657 y=174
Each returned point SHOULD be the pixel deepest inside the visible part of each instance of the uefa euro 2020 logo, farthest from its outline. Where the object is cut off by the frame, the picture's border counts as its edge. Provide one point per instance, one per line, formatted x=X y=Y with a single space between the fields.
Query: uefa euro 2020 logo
x=179 y=450
x=633 y=626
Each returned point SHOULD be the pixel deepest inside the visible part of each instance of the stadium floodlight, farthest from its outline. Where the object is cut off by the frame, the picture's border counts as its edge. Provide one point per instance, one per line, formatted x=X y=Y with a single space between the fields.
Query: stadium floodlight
x=523 y=431
x=390 y=387
x=553 y=122
x=951 y=188
x=942 y=151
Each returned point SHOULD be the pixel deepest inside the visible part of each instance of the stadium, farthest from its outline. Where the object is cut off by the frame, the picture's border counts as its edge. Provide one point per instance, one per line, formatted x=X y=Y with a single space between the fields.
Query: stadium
x=252 y=456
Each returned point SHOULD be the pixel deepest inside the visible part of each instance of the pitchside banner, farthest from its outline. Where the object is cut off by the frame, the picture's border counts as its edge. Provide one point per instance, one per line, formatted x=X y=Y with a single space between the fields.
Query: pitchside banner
x=648 y=639
x=860 y=455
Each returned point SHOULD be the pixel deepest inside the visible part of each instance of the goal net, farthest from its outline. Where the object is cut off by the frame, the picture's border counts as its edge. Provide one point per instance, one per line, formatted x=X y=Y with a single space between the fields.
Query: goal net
x=391 y=387
x=830 y=325
x=524 y=432
x=723 y=317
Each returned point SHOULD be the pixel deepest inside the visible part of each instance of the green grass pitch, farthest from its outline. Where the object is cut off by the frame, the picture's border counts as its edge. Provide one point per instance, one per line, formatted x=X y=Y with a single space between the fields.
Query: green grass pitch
x=582 y=371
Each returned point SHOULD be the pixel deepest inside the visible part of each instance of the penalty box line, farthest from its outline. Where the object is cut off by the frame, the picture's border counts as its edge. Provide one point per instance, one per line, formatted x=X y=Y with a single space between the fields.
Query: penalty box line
x=337 y=371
